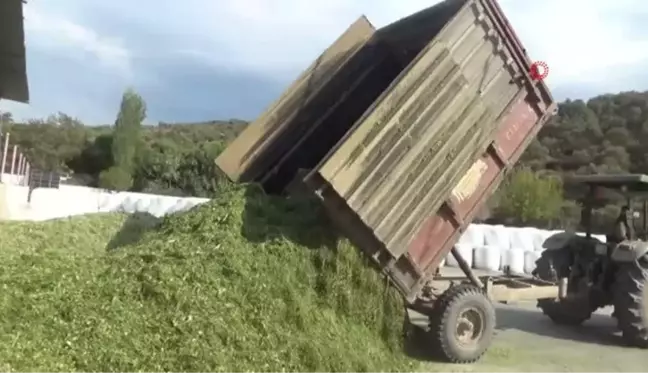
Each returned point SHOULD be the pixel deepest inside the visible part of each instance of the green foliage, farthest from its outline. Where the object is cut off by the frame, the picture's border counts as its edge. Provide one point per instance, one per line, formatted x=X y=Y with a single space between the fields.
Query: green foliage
x=185 y=171
x=243 y=283
x=602 y=135
x=49 y=142
x=115 y=178
x=528 y=197
x=126 y=136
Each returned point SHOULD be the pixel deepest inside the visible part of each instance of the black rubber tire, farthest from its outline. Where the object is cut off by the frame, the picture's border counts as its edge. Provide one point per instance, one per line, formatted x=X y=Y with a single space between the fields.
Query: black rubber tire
x=629 y=302
x=446 y=316
x=551 y=266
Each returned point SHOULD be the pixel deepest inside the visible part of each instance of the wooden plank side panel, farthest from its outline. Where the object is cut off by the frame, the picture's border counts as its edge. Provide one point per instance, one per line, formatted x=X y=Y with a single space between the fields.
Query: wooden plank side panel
x=241 y=155
x=439 y=232
x=402 y=159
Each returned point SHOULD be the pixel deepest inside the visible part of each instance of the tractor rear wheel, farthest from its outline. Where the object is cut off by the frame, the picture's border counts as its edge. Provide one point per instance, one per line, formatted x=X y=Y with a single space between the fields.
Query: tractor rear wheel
x=631 y=301
x=552 y=265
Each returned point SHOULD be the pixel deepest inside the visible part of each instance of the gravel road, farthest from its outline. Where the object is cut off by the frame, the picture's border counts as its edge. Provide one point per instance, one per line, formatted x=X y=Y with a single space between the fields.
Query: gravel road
x=528 y=341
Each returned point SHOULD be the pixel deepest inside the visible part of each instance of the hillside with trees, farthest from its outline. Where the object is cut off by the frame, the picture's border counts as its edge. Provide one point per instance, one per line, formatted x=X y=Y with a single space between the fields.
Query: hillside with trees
x=606 y=134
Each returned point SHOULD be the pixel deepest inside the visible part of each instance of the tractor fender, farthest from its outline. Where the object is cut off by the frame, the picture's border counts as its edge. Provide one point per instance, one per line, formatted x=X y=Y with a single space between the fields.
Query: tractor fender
x=629 y=251
x=559 y=241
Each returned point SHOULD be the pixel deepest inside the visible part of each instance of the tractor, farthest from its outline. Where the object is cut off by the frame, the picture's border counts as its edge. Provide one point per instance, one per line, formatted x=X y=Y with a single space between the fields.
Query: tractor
x=599 y=273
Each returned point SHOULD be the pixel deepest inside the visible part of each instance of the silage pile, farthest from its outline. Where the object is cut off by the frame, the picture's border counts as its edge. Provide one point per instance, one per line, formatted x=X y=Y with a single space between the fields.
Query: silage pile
x=245 y=282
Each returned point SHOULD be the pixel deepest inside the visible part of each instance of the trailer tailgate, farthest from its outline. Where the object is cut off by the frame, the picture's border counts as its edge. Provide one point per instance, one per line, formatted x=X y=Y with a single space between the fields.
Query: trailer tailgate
x=267 y=139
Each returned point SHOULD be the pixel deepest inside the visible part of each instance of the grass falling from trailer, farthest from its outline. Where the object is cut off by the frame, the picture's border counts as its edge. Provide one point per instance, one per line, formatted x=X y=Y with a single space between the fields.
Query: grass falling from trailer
x=245 y=282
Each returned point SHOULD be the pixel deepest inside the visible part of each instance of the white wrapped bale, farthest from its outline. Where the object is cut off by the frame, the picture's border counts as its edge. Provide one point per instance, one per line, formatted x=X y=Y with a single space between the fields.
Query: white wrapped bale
x=185 y=205
x=497 y=235
x=128 y=205
x=473 y=236
x=180 y=205
x=522 y=238
x=160 y=205
x=540 y=238
x=600 y=237
x=514 y=259
x=143 y=204
x=109 y=202
x=530 y=258
x=487 y=258
x=465 y=251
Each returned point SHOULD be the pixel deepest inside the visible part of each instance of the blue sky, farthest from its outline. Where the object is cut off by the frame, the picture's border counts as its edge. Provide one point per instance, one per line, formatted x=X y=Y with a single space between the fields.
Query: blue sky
x=218 y=59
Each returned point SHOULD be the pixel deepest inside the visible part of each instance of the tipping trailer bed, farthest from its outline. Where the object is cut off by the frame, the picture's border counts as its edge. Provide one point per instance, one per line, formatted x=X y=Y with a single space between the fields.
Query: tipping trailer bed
x=403 y=133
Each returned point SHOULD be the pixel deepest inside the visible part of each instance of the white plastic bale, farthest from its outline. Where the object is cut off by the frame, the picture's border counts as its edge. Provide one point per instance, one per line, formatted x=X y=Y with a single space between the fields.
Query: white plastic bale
x=143 y=204
x=600 y=237
x=514 y=259
x=183 y=206
x=530 y=258
x=156 y=206
x=170 y=204
x=180 y=205
x=175 y=207
x=473 y=236
x=497 y=235
x=110 y=202
x=487 y=258
x=522 y=238
x=105 y=203
x=465 y=251
x=189 y=204
x=540 y=238
x=128 y=205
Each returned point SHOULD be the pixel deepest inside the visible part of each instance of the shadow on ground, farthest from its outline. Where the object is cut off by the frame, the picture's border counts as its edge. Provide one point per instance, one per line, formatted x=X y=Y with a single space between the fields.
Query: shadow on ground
x=599 y=330
x=133 y=229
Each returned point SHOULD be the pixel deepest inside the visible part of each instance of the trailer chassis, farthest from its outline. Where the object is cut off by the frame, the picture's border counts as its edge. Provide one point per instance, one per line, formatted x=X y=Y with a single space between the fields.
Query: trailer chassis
x=460 y=308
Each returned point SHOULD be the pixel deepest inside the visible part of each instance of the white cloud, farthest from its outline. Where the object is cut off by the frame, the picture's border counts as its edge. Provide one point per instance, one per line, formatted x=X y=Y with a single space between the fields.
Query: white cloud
x=55 y=32
x=583 y=41
x=591 y=46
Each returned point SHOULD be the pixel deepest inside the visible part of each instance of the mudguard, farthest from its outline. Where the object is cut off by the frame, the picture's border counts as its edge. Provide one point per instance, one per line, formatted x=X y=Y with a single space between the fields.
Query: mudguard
x=558 y=241
x=572 y=241
x=628 y=251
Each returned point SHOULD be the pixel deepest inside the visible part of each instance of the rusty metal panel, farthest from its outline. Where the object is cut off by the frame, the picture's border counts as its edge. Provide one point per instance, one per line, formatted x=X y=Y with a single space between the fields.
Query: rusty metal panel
x=414 y=169
x=268 y=137
x=439 y=232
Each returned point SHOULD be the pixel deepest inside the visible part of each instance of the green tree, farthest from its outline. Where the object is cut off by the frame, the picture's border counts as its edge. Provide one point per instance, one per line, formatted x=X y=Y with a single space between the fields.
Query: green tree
x=115 y=178
x=126 y=141
x=530 y=198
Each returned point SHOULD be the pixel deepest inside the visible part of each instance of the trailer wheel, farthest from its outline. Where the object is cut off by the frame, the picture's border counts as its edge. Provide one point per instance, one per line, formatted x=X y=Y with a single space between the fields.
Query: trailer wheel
x=631 y=302
x=462 y=324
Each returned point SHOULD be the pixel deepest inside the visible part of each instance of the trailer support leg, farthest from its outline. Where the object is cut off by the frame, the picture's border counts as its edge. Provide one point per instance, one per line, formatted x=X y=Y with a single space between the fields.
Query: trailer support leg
x=466 y=269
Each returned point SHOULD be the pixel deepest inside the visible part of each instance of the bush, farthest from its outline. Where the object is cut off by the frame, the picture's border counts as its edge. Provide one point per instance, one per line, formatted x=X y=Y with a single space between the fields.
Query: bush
x=115 y=178
x=530 y=198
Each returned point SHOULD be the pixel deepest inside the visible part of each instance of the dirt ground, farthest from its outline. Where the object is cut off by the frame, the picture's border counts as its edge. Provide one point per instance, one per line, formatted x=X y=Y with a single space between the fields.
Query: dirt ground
x=528 y=341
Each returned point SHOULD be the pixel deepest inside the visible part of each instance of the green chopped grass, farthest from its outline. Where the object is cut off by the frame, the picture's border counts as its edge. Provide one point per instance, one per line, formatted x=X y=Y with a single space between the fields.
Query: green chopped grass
x=243 y=283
